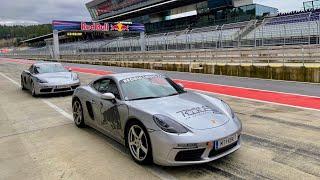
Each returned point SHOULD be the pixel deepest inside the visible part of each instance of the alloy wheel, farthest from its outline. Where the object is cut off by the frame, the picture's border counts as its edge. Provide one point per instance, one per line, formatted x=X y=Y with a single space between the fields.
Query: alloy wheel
x=77 y=113
x=138 y=143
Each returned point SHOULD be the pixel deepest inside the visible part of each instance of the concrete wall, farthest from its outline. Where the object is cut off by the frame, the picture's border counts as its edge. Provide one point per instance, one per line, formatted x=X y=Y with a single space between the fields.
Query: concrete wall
x=277 y=72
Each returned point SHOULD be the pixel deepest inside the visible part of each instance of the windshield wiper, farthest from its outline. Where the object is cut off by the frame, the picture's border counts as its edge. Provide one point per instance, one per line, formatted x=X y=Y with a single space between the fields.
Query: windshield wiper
x=143 y=98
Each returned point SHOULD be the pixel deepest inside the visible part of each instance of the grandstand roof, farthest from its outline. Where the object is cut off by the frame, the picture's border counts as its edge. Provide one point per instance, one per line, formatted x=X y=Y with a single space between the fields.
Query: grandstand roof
x=145 y=7
x=39 y=38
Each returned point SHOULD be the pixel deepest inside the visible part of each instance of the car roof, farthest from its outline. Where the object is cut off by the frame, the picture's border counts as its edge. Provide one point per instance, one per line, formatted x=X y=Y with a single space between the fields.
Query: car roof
x=121 y=76
x=45 y=63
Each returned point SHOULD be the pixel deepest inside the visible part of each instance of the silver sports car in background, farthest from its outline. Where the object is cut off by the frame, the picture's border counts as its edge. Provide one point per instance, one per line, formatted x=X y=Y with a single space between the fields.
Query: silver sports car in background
x=46 y=78
x=157 y=119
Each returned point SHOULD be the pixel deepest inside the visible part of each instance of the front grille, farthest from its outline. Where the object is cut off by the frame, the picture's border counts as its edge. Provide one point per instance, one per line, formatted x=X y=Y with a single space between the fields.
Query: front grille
x=46 y=90
x=215 y=152
x=75 y=87
x=62 y=89
x=189 y=155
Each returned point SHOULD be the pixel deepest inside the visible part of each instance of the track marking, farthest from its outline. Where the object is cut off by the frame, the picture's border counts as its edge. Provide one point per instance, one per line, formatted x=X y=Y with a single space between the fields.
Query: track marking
x=255 y=100
x=59 y=110
x=103 y=72
x=54 y=107
x=152 y=169
x=246 y=88
x=266 y=96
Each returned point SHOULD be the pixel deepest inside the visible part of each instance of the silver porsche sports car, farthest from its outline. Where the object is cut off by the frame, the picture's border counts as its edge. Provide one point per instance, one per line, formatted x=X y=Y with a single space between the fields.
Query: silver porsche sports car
x=47 y=78
x=157 y=119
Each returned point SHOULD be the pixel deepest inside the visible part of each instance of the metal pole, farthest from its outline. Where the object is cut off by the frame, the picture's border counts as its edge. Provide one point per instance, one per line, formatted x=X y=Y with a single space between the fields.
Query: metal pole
x=318 y=29
x=56 y=52
x=309 y=29
x=285 y=34
x=142 y=41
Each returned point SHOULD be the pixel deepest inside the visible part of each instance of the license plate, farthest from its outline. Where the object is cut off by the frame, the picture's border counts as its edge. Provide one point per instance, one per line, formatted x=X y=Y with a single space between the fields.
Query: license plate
x=62 y=86
x=226 y=141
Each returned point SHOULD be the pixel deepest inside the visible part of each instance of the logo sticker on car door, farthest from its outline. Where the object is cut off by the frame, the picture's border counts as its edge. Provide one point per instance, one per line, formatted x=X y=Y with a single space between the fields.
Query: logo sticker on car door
x=112 y=117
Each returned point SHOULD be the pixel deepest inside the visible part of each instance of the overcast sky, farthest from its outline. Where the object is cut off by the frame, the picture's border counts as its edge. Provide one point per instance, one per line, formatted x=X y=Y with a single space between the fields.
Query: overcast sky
x=44 y=11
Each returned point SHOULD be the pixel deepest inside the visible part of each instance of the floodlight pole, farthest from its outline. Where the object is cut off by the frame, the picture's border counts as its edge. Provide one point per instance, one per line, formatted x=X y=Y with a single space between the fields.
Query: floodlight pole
x=142 y=41
x=56 y=50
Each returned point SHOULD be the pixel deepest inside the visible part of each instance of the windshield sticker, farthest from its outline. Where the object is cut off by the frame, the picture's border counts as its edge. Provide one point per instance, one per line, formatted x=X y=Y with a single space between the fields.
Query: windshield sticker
x=136 y=78
x=187 y=113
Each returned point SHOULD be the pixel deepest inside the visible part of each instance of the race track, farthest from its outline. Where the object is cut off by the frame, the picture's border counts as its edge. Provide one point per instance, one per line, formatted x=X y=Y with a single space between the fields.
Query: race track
x=38 y=139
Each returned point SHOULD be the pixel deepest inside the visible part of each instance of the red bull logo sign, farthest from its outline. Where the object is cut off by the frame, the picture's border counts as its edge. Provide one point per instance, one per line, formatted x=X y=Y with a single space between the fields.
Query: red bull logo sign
x=104 y=27
x=94 y=26
x=120 y=27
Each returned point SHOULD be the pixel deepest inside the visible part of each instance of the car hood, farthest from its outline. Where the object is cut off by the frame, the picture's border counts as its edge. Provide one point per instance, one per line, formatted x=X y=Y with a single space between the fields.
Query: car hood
x=60 y=77
x=189 y=109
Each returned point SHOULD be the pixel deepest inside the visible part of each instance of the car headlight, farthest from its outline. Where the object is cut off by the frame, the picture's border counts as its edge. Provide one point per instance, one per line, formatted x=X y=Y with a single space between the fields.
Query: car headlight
x=41 y=80
x=229 y=110
x=169 y=125
x=75 y=76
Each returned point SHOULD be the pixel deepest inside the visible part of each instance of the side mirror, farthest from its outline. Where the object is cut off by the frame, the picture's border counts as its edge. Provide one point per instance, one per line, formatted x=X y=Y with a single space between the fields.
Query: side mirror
x=27 y=72
x=181 y=85
x=70 y=70
x=108 y=96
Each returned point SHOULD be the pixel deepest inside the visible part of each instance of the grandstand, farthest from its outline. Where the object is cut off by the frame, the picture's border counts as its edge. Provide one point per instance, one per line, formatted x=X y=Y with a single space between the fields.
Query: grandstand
x=269 y=31
x=166 y=16
x=300 y=28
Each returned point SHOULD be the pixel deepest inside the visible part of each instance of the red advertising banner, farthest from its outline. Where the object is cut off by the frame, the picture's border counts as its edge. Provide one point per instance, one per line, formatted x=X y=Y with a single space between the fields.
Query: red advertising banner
x=94 y=26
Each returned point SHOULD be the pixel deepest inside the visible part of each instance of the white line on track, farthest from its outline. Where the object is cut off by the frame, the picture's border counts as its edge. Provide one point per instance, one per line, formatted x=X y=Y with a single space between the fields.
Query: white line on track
x=248 y=99
x=261 y=90
x=152 y=169
x=56 y=108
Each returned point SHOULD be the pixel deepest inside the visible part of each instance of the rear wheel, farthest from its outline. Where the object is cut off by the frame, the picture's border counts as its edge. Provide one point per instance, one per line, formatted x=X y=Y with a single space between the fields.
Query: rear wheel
x=139 y=143
x=78 y=113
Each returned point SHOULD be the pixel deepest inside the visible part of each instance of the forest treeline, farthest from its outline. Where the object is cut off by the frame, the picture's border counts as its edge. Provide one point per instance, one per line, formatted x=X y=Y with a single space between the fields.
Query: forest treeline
x=15 y=34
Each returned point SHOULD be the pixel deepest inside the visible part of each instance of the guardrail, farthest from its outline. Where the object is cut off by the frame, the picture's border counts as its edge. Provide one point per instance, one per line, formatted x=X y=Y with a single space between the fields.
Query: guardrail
x=305 y=54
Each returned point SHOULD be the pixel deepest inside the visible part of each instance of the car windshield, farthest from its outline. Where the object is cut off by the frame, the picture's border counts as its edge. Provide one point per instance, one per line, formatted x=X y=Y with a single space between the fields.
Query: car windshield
x=149 y=87
x=49 y=68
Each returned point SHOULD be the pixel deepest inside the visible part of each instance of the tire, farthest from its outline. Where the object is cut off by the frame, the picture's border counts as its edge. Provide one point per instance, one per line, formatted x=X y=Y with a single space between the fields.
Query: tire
x=33 y=91
x=78 y=114
x=22 y=85
x=139 y=144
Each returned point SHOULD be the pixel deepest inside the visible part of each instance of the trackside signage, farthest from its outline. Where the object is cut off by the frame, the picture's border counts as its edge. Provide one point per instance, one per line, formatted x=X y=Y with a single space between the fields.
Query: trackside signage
x=102 y=27
x=94 y=27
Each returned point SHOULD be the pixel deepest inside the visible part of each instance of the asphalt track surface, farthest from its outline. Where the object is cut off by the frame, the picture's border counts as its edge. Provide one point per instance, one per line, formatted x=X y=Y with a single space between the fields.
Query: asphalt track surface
x=39 y=141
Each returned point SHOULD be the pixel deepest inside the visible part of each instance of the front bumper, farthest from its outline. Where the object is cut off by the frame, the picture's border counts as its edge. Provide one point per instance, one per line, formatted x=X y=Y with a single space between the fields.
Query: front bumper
x=199 y=147
x=46 y=88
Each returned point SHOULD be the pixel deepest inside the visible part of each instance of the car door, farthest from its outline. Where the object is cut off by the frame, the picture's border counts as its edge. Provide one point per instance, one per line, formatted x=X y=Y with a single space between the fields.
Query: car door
x=93 y=104
x=112 y=113
x=28 y=77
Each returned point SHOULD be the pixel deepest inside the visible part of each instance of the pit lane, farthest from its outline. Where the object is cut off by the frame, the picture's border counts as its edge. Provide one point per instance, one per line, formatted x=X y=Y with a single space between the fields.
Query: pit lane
x=38 y=141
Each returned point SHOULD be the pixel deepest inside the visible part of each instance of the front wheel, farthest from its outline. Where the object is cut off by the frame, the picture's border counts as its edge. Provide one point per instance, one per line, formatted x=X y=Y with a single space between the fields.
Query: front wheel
x=139 y=143
x=78 y=113
x=33 y=90
x=22 y=84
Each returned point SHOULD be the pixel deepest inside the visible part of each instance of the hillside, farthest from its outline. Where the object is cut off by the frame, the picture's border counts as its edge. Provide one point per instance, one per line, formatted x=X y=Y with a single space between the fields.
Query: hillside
x=15 y=34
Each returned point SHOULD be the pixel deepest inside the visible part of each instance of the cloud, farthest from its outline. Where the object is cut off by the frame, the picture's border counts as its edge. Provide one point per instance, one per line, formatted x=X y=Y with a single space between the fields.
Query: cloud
x=43 y=11
x=11 y=22
x=283 y=5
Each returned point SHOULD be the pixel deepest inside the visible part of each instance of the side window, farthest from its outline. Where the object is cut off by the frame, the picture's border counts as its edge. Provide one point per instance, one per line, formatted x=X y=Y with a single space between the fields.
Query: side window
x=96 y=85
x=35 y=70
x=31 y=69
x=105 y=86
